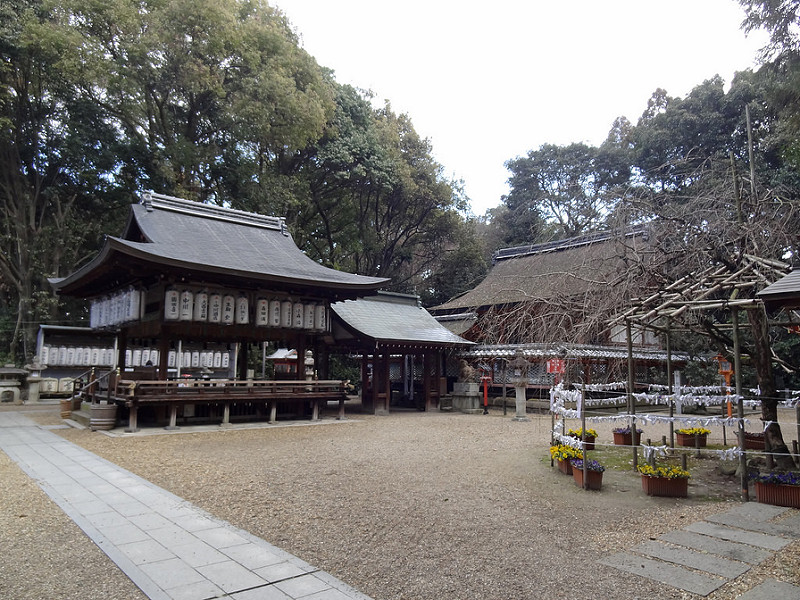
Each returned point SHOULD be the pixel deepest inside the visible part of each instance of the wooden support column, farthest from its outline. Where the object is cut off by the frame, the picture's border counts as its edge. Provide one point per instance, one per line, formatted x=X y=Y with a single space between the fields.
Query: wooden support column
x=122 y=341
x=242 y=364
x=163 y=356
x=226 y=415
x=315 y=410
x=273 y=411
x=387 y=384
x=133 y=419
x=173 y=417
x=427 y=388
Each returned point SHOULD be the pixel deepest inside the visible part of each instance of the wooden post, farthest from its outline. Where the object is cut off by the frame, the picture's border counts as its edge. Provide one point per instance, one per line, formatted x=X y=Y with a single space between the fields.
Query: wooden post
x=273 y=410
x=173 y=417
x=387 y=383
x=226 y=414
x=670 y=390
x=737 y=373
x=631 y=400
x=315 y=410
x=133 y=414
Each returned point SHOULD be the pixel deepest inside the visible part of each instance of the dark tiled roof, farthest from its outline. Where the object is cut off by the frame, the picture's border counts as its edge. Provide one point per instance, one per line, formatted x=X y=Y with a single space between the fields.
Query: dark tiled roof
x=394 y=318
x=784 y=292
x=545 y=271
x=179 y=233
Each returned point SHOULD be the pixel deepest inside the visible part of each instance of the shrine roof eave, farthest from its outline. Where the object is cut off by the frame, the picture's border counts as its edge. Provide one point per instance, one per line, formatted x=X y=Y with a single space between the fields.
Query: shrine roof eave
x=96 y=276
x=391 y=321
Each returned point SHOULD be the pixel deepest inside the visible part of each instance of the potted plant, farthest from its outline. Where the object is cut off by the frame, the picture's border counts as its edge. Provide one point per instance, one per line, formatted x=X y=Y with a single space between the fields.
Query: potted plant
x=754 y=441
x=594 y=473
x=781 y=488
x=563 y=454
x=692 y=437
x=588 y=436
x=665 y=481
x=624 y=437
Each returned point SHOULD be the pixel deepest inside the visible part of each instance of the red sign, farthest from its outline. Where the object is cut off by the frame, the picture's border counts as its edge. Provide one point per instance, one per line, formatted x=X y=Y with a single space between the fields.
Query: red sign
x=556 y=365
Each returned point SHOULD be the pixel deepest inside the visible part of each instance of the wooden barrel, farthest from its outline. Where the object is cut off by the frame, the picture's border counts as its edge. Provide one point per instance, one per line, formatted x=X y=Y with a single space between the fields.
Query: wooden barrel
x=103 y=417
x=66 y=408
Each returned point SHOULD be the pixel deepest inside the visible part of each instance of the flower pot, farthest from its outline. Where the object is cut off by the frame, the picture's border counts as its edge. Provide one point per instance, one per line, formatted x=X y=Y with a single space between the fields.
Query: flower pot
x=588 y=441
x=565 y=467
x=102 y=417
x=593 y=478
x=625 y=439
x=691 y=441
x=778 y=494
x=754 y=441
x=677 y=487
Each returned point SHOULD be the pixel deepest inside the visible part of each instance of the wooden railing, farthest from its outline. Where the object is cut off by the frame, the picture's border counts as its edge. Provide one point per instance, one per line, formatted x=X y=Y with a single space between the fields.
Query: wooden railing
x=173 y=394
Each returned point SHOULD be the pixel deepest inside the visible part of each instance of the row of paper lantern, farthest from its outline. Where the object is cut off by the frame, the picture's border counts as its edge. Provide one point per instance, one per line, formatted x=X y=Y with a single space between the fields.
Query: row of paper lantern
x=122 y=307
x=227 y=309
x=211 y=359
x=71 y=356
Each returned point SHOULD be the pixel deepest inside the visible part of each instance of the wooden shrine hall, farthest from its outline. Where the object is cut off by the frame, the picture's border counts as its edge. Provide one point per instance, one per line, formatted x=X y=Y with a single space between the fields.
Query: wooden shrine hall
x=188 y=288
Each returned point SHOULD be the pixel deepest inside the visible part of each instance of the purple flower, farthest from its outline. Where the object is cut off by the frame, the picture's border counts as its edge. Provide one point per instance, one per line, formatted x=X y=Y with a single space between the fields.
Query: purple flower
x=591 y=465
x=778 y=477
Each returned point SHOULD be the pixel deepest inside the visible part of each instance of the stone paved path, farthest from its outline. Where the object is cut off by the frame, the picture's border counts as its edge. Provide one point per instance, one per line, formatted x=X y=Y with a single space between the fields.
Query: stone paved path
x=169 y=548
x=706 y=555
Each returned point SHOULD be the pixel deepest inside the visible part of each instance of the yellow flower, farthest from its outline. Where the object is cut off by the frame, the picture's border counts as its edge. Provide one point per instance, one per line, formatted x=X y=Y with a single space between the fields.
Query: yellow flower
x=694 y=431
x=667 y=472
x=564 y=452
x=578 y=433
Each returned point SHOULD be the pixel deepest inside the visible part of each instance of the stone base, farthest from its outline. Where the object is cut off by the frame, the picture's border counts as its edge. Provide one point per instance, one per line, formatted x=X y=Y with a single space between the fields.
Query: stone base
x=466 y=388
x=470 y=404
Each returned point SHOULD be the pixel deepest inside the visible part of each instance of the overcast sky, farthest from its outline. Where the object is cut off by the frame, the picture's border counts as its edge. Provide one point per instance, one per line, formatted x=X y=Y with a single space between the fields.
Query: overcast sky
x=487 y=82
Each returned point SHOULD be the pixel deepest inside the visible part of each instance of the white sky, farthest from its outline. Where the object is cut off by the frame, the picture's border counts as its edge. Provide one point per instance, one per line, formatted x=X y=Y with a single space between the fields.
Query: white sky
x=487 y=82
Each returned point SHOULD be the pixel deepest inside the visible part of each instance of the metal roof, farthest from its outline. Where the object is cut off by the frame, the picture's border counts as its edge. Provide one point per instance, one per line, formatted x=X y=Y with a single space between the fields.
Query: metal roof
x=191 y=236
x=394 y=319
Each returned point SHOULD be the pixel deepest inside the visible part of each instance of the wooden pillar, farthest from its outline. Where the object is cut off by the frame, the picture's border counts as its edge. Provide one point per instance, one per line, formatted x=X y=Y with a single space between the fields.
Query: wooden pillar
x=163 y=356
x=226 y=414
x=133 y=419
x=273 y=410
x=242 y=364
x=426 y=380
x=173 y=417
x=122 y=341
x=300 y=345
x=366 y=390
x=387 y=383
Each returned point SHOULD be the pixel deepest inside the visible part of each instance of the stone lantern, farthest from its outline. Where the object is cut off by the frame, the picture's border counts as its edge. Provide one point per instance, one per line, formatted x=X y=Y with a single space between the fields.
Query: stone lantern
x=520 y=366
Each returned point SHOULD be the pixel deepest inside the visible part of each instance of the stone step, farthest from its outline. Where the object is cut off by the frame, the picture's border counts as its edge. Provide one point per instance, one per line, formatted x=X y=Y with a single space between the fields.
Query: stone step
x=672 y=575
x=704 y=543
x=700 y=561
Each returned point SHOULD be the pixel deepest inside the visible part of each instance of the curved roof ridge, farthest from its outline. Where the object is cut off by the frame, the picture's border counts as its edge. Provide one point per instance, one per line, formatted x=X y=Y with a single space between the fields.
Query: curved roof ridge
x=152 y=201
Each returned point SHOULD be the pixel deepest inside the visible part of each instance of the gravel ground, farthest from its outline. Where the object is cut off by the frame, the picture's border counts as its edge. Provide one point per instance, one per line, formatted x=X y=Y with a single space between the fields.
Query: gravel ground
x=410 y=506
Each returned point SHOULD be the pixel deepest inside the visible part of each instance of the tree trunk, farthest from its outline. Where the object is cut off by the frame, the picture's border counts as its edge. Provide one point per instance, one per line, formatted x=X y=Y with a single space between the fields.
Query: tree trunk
x=762 y=361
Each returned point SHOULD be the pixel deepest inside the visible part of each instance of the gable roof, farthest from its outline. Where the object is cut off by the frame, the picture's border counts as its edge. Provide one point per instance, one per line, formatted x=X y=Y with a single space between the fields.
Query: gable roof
x=391 y=319
x=543 y=271
x=783 y=293
x=189 y=236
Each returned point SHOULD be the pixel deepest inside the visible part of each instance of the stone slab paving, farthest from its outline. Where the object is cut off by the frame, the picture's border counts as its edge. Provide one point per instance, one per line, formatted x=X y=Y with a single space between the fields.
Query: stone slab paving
x=704 y=543
x=772 y=590
x=671 y=575
x=706 y=555
x=701 y=561
x=169 y=548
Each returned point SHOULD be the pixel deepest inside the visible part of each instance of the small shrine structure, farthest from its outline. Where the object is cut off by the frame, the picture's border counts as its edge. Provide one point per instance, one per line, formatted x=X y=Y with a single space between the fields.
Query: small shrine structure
x=189 y=287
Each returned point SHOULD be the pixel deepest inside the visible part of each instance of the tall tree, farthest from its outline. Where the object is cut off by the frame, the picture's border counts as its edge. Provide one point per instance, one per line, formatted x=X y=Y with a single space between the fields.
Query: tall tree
x=572 y=188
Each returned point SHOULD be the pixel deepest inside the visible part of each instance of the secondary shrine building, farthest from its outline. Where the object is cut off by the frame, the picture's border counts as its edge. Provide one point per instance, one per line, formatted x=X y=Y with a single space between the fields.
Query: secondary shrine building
x=190 y=288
